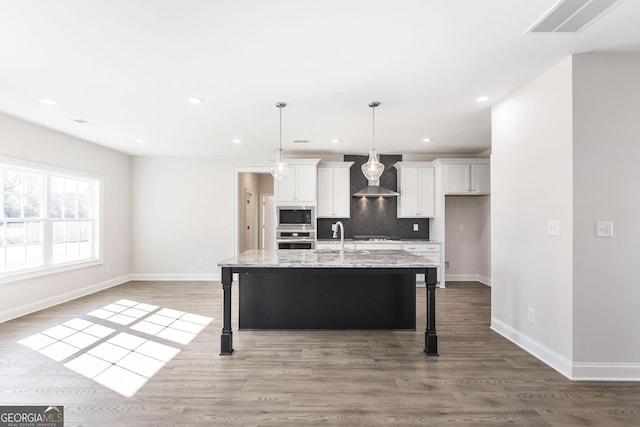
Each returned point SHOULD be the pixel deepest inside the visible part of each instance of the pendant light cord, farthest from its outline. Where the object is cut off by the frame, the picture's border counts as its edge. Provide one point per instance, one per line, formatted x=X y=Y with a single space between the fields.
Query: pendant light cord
x=373 y=128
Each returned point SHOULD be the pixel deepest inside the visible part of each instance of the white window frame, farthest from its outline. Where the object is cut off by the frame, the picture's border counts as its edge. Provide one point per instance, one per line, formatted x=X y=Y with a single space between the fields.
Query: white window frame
x=96 y=216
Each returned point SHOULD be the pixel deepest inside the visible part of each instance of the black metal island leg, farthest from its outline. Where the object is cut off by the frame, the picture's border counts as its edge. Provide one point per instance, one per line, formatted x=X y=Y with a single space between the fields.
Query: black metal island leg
x=430 y=336
x=226 y=338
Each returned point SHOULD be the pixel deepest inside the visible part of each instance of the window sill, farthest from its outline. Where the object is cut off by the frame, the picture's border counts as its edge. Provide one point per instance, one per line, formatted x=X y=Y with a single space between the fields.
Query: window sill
x=45 y=271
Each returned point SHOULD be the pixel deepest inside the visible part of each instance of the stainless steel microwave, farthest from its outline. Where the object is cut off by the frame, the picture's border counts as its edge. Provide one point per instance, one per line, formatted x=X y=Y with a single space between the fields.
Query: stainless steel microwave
x=296 y=217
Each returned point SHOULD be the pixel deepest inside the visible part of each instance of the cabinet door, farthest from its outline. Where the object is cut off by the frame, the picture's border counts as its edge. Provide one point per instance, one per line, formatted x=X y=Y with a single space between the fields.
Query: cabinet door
x=286 y=189
x=325 y=192
x=409 y=192
x=426 y=192
x=306 y=179
x=480 y=179
x=458 y=180
x=341 y=192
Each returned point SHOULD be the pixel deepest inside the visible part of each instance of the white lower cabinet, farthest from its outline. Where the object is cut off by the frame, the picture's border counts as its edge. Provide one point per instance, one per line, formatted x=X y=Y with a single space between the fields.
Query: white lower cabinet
x=430 y=251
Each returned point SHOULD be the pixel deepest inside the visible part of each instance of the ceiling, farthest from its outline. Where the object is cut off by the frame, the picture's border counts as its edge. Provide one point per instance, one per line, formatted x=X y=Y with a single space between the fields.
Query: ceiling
x=121 y=71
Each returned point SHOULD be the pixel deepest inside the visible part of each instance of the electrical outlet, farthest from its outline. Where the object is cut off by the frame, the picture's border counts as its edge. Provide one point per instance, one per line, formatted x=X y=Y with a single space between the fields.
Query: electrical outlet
x=461 y=227
x=107 y=268
x=446 y=265
x=200 y=262
x=553 y=227
x=415 y=227
x=531 y=315
x=333 y=227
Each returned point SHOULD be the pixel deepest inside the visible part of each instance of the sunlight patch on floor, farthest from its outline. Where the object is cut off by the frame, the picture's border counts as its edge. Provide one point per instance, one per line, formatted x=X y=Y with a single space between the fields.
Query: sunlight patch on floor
x=118 y=360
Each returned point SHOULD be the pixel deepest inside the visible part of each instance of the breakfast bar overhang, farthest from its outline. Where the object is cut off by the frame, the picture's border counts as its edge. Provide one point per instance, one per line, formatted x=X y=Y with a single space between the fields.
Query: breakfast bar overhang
x=316 y=289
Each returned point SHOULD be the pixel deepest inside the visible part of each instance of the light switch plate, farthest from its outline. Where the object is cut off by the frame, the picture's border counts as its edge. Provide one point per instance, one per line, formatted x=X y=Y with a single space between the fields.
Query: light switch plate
x=553 y=227
x=604 y=228
x=415 y=227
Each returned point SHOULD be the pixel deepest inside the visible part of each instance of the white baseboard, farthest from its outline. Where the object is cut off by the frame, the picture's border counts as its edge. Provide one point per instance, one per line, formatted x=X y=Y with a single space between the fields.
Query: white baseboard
x=545 y=354
x=176 y=277
x=468 y=278
x=32 y=307
x=571 y=370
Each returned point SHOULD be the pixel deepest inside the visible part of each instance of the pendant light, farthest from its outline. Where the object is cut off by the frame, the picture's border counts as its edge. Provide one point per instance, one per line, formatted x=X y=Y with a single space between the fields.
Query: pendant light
x=372 y=169
x=280 y=171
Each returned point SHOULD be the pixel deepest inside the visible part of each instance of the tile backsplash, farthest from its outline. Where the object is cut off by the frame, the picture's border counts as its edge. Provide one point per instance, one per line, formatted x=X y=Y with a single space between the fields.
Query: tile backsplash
x=375 y=216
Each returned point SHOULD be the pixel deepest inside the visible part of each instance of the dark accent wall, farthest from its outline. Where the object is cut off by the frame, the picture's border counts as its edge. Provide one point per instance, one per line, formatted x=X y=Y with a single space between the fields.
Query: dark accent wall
x=375 y=216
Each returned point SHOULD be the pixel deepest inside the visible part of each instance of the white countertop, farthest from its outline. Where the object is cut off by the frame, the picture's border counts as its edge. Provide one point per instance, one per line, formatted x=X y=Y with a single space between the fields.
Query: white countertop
x=311 y=258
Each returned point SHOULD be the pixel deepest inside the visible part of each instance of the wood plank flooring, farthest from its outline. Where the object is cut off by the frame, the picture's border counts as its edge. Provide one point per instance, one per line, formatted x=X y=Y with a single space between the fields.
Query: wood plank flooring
x=326 y=378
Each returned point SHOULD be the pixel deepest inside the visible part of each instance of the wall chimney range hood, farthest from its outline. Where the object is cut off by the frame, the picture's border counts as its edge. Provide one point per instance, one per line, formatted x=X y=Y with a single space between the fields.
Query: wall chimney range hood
x=374 y=190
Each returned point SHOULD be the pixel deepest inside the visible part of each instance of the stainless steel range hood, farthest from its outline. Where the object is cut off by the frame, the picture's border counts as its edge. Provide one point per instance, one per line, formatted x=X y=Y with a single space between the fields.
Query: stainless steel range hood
x=374 y=190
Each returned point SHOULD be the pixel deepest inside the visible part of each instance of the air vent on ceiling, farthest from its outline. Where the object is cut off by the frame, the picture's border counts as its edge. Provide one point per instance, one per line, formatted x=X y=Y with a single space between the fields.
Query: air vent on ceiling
x=301 y=141
x=84 y=122
x=570 y=16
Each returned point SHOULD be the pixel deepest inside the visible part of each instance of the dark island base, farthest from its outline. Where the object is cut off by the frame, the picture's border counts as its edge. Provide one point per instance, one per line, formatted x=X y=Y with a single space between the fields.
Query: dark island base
x=305 y=299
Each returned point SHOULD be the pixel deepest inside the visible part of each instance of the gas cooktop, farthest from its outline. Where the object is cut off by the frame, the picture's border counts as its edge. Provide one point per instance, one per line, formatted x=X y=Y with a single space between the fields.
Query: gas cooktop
x=374 y=237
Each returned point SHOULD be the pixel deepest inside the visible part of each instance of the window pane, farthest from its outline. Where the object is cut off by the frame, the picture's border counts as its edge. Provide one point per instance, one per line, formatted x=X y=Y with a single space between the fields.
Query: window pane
x=73 y=231
x=15 y=233
x=1 y=234
x=56 y=208
x=34 y=256
x=58 y=253
x=73 y=251
x=15 y=258
x=84 y=199
x=33 y=184
x=12 y=206
x=85 y=231
x=85 y=250
x=70 y=206
x=34 y=233
x=57 y=185
x=58 y=231
x=32 y=206
x=13 y=182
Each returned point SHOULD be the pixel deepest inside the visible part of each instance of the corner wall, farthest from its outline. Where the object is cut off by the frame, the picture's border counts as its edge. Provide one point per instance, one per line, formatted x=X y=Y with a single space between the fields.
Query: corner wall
x=32 y=143
x=531 y=177
x=607 y=160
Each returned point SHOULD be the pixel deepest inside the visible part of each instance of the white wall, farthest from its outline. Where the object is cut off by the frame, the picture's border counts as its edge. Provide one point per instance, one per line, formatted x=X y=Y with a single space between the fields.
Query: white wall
x=531 y=178
x=565 y=146
x=606 y=176
x=33 y=143
x=182 y=212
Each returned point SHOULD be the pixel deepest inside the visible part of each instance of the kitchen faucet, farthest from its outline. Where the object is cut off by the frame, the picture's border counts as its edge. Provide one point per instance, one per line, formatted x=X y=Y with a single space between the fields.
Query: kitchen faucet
x=335 y=234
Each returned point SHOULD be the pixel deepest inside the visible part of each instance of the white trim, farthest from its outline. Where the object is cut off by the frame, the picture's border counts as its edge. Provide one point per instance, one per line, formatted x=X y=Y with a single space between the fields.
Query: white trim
x=61 y=298
x=606 y=372
x=574 y=371
x=47 y=270
x=468 y=278
x=545 y=354
x=213 y=277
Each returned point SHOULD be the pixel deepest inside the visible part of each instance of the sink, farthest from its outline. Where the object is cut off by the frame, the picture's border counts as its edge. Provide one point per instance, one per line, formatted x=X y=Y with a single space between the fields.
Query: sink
x=346 y=251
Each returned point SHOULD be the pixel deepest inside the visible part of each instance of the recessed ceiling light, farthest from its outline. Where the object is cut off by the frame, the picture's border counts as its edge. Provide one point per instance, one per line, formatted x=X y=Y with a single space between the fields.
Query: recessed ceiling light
x=482 y=98
x=194 y=100
x=426 y=139
x=237 y=141
x=335 y=141
x=140 y=141
x=47 y=101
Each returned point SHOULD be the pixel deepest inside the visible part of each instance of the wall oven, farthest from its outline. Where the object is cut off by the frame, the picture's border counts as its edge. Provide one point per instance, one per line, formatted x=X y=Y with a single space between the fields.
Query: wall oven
x=296 y=227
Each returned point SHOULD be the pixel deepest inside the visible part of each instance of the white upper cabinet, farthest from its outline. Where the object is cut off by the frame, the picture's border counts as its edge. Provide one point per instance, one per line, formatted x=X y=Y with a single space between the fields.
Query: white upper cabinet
x=416 y=185
x=467 y=177
x=301 y=184
x=334 y=190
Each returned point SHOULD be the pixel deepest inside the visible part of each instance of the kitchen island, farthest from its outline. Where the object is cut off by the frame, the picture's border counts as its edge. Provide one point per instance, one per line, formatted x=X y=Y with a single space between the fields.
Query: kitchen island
x=327 y=289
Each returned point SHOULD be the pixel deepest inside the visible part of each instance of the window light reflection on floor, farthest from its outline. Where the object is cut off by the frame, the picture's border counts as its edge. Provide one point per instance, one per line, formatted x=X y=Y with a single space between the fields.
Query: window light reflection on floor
x=122 y=362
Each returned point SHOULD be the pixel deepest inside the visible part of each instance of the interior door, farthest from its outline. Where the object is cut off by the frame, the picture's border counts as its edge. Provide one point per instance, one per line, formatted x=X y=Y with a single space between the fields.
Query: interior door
x=250 y=232
x=268 y=222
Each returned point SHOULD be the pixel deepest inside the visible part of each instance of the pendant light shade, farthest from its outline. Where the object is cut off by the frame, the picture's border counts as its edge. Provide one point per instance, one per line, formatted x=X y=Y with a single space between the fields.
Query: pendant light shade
x=372 y=169
x=280 y=171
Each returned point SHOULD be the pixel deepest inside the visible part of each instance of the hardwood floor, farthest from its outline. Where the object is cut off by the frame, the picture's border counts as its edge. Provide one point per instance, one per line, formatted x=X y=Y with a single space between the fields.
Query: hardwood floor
x=347 y=378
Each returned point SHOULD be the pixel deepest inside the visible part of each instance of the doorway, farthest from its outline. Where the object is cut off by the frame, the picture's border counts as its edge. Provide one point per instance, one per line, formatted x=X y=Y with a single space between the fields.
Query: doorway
x=250 y=221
